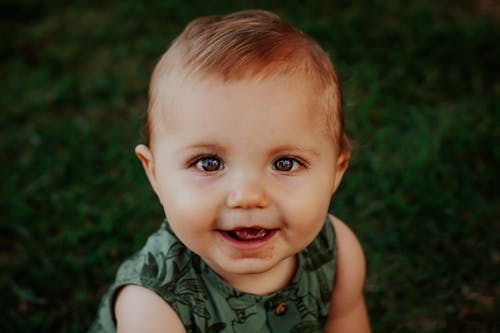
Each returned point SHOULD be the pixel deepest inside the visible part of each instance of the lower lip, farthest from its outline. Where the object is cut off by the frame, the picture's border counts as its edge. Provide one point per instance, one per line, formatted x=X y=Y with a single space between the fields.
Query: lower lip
x=250 y=244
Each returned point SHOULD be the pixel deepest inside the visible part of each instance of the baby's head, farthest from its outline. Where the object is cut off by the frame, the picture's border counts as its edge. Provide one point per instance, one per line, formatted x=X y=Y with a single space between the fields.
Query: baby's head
x=252 y=44
x=247 y=143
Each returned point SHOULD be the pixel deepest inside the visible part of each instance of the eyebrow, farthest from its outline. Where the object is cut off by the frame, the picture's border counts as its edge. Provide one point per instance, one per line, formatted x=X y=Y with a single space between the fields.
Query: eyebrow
x=293 y=149
x=204 y=146
x=219 y=148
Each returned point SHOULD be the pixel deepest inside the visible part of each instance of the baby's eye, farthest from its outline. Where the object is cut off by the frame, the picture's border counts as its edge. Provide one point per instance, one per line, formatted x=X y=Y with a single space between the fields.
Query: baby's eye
x=209 y=164
x=286 y=164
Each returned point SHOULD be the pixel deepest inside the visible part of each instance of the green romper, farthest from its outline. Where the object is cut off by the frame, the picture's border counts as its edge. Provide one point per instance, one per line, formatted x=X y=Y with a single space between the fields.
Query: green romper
x=205 y=303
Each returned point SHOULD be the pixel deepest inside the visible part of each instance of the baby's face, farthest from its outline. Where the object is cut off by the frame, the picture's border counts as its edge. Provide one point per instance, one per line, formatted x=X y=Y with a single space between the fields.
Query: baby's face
x=245 y=172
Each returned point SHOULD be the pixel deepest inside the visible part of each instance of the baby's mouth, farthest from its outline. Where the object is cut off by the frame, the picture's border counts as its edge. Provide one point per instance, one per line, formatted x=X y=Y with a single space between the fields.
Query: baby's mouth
x=249 y=234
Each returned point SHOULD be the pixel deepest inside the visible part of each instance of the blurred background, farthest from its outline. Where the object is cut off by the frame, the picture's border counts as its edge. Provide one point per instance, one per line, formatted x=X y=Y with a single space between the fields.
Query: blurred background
x=422 y=103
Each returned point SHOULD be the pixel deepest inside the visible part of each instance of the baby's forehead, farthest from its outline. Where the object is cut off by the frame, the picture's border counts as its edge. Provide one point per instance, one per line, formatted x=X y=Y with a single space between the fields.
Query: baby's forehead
x=180 y=89
x=176 y=93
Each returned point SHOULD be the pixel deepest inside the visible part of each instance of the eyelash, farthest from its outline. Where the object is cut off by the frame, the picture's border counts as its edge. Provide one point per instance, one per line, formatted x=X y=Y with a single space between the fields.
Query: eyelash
x=296 y=163
x=196 y=163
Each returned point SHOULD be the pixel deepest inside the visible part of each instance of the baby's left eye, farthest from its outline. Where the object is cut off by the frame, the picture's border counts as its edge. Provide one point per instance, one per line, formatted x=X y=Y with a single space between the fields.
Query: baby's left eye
x=209 y=164
x=286 y=164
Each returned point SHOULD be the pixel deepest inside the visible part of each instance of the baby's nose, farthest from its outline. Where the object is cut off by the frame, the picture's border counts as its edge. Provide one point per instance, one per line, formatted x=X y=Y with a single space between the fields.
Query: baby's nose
x=247 y=195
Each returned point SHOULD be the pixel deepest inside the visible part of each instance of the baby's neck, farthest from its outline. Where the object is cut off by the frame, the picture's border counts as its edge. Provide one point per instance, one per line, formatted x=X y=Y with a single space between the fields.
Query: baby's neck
x=265 y=283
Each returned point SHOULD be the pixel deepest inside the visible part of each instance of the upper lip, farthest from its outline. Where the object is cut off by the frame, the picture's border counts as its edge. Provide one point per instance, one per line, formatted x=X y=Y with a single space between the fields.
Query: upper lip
x=248 y=227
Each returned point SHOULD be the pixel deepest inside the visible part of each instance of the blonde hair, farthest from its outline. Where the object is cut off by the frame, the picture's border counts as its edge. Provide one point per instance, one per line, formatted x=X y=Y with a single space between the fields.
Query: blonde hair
x=251 y=44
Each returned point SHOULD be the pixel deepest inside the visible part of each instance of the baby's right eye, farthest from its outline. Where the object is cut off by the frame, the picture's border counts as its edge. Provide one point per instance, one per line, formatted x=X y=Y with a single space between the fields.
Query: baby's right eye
x=209 y=164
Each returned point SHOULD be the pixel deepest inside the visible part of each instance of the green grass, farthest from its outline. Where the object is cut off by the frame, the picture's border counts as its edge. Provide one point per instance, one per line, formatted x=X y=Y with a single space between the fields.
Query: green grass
x=422 y=92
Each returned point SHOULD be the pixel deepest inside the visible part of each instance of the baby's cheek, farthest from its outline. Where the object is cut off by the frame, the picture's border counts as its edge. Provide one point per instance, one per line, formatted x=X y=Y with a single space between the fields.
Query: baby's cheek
x=309 y=203
x=308 y=214
x=190 y=206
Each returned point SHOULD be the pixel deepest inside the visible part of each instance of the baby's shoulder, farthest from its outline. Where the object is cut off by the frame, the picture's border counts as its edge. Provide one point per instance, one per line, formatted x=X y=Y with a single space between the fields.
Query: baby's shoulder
x=348 y=307
x=145 y=286
x=350 y=256
x=150 y=280
x=138 y=309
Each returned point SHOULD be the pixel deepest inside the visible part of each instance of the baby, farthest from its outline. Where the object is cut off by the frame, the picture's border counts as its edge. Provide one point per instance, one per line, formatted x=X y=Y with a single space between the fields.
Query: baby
x=246 y=146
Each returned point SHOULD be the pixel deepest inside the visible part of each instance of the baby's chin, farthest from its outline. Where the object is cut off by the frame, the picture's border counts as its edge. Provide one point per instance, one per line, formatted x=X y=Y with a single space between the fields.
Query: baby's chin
x=258 y=276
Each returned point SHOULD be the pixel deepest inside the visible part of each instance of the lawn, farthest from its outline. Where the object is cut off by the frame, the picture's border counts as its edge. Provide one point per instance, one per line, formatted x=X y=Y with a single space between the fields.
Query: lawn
x=422 y=103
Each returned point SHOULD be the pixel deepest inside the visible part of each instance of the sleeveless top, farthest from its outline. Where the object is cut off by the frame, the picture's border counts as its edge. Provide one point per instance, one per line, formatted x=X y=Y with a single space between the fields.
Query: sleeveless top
x=205 y=303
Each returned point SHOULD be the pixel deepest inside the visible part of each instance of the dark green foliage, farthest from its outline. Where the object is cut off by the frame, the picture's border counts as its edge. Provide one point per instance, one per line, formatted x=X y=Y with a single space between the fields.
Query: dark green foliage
x=422 y=96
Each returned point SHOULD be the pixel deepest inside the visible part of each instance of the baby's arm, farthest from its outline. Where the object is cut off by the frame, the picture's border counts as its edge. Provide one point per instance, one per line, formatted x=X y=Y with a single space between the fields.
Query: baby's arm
x=348 y=310
x=138 y=310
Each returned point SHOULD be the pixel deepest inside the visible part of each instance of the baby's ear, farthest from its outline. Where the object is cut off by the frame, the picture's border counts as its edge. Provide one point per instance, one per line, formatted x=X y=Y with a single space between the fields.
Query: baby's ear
x=342 y=163
x=146 y=157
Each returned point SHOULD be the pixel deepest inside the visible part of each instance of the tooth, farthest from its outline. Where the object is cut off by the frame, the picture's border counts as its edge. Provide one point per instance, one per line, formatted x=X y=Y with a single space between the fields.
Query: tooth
x=250 y=234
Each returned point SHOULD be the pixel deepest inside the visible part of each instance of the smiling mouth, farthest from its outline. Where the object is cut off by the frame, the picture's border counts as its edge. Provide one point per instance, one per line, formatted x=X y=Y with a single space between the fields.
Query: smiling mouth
x=249 y=234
